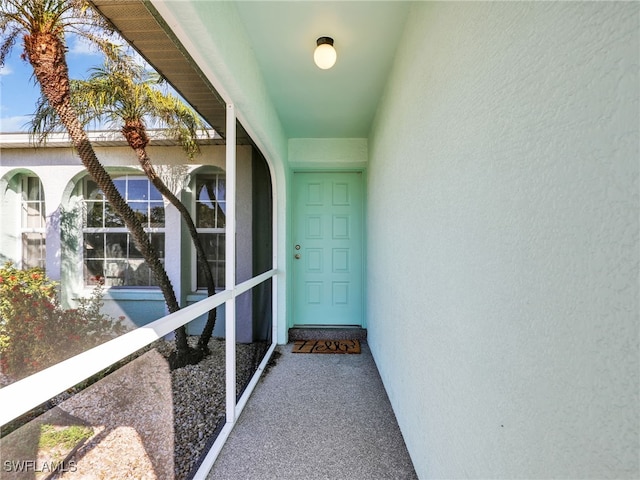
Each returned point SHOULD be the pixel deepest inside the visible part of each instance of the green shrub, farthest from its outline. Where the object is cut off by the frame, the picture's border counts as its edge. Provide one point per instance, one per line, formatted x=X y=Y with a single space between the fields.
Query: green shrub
x=36 y=332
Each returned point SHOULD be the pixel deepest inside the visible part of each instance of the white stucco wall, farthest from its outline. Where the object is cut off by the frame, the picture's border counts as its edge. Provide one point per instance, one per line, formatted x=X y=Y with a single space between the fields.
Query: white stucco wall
x=59 y=169
x=503 y=240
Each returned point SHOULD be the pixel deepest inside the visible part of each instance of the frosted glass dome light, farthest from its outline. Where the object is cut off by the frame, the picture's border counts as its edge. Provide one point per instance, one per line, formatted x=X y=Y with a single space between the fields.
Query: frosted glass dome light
x=325 y=55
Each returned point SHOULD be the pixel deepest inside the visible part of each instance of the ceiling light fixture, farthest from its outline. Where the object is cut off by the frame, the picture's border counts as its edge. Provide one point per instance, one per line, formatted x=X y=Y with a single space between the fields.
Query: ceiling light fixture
x=325 y=55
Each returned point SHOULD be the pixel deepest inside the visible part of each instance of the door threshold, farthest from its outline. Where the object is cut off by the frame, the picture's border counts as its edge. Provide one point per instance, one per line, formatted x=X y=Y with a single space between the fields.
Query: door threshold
x=337 y=327
x=327 y=332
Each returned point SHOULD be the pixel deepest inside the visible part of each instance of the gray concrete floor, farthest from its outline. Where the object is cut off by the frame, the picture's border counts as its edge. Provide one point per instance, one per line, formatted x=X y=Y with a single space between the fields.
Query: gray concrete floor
x=315 y=416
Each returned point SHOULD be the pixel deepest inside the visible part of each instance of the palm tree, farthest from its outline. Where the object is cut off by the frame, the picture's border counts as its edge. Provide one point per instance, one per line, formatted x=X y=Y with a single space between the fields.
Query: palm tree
x=43 y=24
x=127 y=95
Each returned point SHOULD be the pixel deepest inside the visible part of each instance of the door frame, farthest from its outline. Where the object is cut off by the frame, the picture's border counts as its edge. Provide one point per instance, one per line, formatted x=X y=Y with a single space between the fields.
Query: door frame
x=290 y=242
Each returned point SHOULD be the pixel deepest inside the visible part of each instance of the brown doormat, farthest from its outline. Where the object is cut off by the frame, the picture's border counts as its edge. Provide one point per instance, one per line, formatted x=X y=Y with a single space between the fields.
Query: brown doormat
x=326 y=346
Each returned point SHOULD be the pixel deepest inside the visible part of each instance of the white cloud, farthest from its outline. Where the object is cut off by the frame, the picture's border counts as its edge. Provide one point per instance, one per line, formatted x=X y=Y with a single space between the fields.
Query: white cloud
x=14 y=124
x=81 y=46
x=6 y=70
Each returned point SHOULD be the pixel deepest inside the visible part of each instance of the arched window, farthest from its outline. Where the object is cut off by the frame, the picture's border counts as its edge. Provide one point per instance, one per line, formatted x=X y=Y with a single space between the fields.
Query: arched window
x=110 y=254
x=210 y=221
x=33 y=222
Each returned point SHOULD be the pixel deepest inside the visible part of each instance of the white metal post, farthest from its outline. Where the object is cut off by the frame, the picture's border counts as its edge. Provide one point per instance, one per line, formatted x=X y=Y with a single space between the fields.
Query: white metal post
x=230 y=265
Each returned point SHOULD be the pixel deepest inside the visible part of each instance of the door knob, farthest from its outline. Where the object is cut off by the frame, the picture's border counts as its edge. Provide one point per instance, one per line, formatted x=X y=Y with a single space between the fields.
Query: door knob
x=297 y=256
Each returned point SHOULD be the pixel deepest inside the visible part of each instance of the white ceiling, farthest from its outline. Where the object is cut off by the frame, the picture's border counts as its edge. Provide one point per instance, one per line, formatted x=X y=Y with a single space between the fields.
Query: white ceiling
x=310 y=102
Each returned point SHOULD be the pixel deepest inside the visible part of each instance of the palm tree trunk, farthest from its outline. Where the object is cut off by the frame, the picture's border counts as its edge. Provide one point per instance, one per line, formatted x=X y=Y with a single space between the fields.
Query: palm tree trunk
x=46 y=53
x=136 y=136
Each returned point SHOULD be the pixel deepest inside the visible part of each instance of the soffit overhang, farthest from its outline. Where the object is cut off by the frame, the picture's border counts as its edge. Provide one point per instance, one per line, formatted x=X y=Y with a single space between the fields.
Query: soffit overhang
x=143 y=28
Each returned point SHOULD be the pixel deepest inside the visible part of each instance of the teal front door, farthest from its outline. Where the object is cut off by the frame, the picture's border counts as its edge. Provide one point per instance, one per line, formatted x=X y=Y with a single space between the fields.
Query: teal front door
x=327 y=249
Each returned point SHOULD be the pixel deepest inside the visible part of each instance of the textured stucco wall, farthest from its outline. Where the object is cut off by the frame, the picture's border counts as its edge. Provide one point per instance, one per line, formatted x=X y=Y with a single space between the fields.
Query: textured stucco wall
x=503 y=240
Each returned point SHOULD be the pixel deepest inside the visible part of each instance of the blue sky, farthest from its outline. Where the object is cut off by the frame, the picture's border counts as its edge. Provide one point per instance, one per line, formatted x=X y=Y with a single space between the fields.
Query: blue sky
x=19 y=91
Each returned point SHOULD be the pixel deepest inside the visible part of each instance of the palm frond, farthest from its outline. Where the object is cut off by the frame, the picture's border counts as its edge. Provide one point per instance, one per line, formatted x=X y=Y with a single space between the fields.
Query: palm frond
x=8 y=41
x=44 y=122
x=58 y=17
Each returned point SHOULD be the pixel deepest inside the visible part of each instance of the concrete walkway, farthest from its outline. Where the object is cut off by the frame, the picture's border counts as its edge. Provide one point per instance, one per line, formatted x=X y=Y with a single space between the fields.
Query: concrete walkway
x=315 y=416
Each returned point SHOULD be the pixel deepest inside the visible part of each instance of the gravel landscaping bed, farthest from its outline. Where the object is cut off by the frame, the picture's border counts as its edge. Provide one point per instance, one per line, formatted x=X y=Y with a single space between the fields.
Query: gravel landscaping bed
x=199 y=399
x=148 y=422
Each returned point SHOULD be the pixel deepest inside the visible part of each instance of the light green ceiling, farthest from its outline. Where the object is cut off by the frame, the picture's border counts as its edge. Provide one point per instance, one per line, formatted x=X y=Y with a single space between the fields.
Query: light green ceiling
x=313 y=103
x=310 y=103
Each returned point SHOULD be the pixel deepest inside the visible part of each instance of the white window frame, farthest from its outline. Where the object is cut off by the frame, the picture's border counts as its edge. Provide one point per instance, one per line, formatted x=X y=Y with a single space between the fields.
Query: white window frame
x=205 y=230
x=118 y=230
x=25 y=228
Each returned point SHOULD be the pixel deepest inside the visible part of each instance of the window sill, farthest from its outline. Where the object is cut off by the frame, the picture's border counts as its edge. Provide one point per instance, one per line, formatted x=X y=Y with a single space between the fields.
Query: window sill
x=142 y=294
x=200 y=295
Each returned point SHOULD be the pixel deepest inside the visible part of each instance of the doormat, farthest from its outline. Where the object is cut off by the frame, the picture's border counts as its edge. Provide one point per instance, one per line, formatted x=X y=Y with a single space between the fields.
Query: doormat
x=326 y=346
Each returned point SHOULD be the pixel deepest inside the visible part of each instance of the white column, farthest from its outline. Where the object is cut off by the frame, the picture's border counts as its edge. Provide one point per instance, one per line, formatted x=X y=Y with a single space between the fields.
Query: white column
x=53 y=246
x=230 y=264
x=53 y=187
x=173 y=243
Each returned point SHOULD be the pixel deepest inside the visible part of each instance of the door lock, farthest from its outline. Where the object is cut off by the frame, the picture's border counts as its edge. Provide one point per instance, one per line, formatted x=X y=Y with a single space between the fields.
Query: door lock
x=297 y=247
